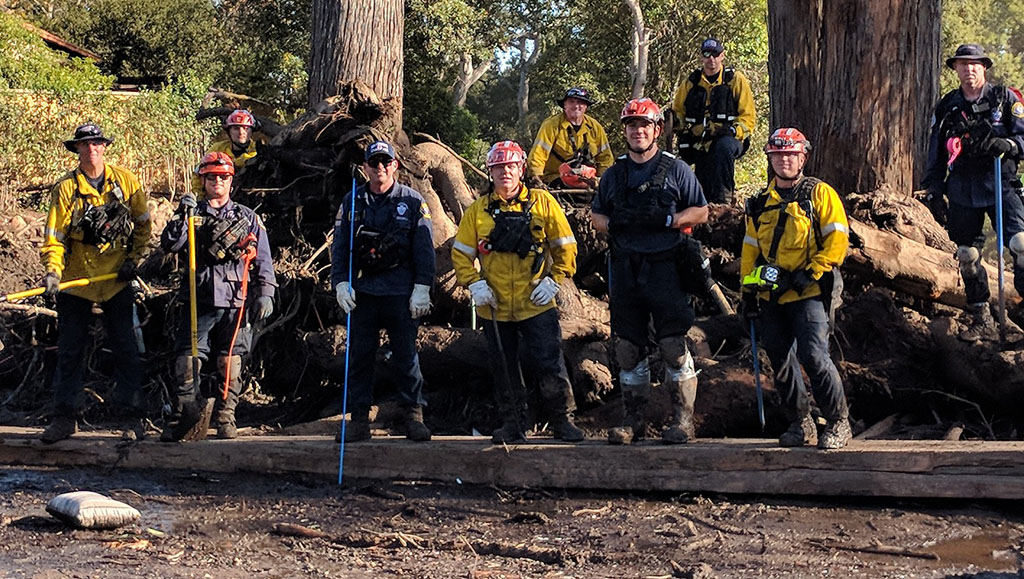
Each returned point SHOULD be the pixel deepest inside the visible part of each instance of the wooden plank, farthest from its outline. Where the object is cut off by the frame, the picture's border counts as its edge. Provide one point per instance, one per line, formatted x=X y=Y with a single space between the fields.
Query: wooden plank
x=941 y=469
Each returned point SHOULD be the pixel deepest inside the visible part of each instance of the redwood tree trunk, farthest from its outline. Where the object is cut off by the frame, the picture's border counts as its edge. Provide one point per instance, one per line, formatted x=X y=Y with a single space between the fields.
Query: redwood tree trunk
x=357 y=40
x=859 y=78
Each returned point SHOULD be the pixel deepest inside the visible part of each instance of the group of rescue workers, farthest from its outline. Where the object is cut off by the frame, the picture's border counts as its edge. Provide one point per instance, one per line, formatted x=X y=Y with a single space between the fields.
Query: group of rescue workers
x=514 y=248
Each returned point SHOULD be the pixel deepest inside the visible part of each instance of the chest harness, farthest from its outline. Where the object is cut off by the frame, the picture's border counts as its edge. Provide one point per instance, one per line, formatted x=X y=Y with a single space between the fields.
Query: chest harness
x=513 y=232
x=104 y=225
x=379 y=249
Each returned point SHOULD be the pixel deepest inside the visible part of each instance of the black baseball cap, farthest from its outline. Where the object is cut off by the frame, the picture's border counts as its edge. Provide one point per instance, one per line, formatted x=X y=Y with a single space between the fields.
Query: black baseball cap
x=713 y=46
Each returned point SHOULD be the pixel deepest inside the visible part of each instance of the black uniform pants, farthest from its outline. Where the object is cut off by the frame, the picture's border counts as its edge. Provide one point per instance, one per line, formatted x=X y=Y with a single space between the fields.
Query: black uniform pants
x=645 y=291
x=716 y=168
x=965 y=228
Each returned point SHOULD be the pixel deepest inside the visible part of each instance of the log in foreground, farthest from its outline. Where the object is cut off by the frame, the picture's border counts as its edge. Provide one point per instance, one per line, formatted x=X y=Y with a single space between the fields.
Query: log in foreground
x=926 y=469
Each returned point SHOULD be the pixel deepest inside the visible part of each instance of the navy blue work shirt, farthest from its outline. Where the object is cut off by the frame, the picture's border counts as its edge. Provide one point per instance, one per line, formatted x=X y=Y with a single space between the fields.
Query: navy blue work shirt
x=399 y=207
x=220 y=284
x=971 y=180
x=680 y=184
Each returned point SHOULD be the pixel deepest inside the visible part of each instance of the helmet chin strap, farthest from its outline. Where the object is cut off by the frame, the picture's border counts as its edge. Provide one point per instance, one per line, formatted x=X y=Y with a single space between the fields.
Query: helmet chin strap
x=640 y=151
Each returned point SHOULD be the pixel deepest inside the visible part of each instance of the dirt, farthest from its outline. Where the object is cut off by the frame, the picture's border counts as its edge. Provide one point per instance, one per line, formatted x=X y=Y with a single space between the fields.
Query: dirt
x=201 y=525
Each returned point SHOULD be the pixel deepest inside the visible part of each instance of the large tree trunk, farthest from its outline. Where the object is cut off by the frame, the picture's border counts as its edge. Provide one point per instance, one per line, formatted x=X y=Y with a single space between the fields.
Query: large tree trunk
x=827 y=78
x=523 y=96
x=641 y=41
x=357 y=40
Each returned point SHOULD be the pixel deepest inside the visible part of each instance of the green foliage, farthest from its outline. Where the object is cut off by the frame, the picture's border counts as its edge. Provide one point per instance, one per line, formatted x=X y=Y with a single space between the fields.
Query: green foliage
x=27 y=63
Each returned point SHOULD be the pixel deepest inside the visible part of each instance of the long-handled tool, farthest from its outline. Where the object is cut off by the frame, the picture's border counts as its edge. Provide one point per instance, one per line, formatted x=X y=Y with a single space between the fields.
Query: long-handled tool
x=247 y=257
x=517 y=402
x=999 y=246
x=757 y=374
x=192 y=308
x=348 y=333
x=38 y=291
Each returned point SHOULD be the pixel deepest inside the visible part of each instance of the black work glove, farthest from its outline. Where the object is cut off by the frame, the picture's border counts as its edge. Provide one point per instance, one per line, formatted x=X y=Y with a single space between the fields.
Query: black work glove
x=750 y=306
x=725 y=131
x=997 y=146
x=52 y=284
x=936 y=203
x=801 y=280
x=535 y=182
x=127 y=271
x=188 y=204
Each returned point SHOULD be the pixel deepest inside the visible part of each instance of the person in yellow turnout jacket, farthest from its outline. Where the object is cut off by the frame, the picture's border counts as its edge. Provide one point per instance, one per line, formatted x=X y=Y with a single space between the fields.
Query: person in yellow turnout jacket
x=715 y=108
x=571 y=149
x=525 y=249
x=239 y=146
x=796 y=237
x=98 y=223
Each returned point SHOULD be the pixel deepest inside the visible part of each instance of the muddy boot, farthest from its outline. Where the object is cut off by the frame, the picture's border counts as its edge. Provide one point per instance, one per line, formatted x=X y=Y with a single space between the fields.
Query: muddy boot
x=634 y=384
x=185 y=413
x=229 y=369
x=800 y=432
x=414 y=427
x=564 y=429
x=559 y=405
x=683 y=393
x=983 y=326
x=60 y=428
x=836 y=435
x=358 y=427
x=509 y=433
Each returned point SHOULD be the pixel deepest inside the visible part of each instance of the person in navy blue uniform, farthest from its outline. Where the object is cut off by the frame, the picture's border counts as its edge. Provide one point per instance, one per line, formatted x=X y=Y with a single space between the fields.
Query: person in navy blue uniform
x=233 y=263
x=645 y=202
x=972 y=125
x=388 y=286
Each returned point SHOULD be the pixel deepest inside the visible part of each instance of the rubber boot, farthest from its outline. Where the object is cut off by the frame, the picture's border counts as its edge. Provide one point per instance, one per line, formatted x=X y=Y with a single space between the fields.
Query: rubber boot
x=683 y=393
x=358 y=427
x=512 y=430
x=634 y=384
x=224 y=409
x=186 y=412
x=560 y=405
x=414 y=427
x=983 y=325
x=836 y=434
x=60 y=428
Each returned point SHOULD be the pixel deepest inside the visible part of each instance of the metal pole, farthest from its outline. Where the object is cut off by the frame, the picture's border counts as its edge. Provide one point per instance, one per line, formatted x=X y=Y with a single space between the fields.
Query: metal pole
x=999 y=246
x=348 y=332
x=757 y=374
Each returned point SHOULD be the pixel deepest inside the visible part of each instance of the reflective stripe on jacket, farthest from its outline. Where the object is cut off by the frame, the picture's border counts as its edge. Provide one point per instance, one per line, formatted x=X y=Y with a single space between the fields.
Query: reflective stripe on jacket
x=553 y=136
x=798 y=248
x=511 y=278
x=63 y=251
x=746 y=118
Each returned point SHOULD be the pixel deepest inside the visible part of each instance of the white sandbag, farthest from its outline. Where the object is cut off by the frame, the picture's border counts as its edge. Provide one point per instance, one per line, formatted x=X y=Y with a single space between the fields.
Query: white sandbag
x=89 y=510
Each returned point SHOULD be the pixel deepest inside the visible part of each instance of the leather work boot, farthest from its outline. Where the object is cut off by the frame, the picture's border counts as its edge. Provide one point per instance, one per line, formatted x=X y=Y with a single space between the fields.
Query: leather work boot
x=836 y=435
x=185 y=413
x=60 y=428
x=224 y=410
x=633 y=428
x=509 y=433
x=800 y=432
x=414 y=427
x=564 y=429
x=358 y=427
x=983 y=325
x=683 y=393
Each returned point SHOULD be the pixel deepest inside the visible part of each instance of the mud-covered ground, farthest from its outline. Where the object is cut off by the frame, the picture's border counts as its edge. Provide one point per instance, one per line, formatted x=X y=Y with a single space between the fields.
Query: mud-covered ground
x=203 y=525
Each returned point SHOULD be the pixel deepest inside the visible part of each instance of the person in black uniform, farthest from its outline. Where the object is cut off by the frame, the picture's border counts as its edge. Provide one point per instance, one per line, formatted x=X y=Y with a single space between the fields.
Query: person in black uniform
x=392 y=271
x=646 y=200
x=972 y=125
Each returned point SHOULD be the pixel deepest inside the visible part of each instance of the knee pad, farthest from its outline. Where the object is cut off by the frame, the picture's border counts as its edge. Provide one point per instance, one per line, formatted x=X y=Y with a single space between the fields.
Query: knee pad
x=970 y=260
x=1016 y=246
x=684 y=371
x=636 y=377
x=628 y=354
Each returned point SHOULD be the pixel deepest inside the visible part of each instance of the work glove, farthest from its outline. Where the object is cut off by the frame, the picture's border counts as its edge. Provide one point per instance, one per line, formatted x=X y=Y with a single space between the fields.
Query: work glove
x=801 y=280
x=419 y=302
x=52 y=284
x=482 y=294
x=725 y=131
x=535 y=182
x=346 y=297
x=545 y=291
x=187 y=204
x=936 y=203
x=264 y=307
x=127 y=271
x=998 y=146
x=750 y=306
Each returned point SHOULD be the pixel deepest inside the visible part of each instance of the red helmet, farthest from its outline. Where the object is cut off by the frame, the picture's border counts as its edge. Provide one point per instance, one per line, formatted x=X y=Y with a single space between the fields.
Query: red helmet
x=240 y=118
x=642 y=108
x=787 y=140
x=216 y=163
x=577 y=177
x=504 y=152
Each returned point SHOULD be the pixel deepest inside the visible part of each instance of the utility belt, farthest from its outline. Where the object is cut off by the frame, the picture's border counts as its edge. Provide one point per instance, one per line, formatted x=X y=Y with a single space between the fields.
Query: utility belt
x=225 y=240
x=376 y=250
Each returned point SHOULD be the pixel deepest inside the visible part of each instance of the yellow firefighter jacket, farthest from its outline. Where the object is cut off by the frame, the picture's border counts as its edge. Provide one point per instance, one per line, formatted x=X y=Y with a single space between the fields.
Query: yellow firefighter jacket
x=64 y=252
x=511 y=278
x=815 y=235
x=224 y=147
x=555 y=144
x=742 y=96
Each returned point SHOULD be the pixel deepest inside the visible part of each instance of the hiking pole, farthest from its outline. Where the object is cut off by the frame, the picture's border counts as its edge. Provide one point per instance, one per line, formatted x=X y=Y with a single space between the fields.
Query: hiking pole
x=192 y=308
x=38 y=291
x=999 y=246
x=348 y=332
x=508 y=373
x=757 y=375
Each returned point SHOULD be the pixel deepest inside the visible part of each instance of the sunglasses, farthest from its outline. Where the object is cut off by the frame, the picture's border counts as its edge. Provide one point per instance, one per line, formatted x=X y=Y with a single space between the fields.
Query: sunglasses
x=708 y=54
x=216 y=177
x=379 y=161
